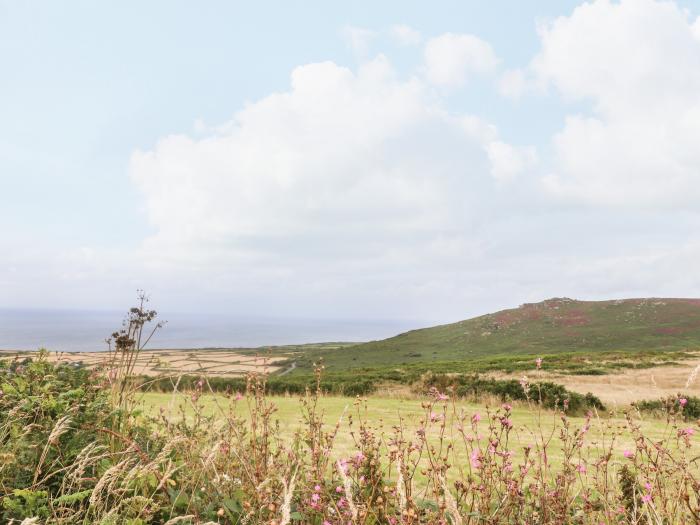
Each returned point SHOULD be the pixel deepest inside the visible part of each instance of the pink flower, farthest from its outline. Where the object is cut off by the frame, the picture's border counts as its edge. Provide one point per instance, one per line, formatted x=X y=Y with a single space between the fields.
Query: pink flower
x=581 y=468
x=476 y=417
x=315 y=497
x=687 y=431
x=538 y=362
x=646 y=498
x=435 y=417
x=326 y=522
x=238 y=396
x=683 y=401
x=339 y=489
x=507 y=407
x=475 y=459
x=442 y=397
x=628 y=454
x=317 y=488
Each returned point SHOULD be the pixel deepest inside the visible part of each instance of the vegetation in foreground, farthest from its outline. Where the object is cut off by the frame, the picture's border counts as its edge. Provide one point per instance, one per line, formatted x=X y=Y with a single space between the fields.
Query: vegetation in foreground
x=71 y=455
x=76 y=448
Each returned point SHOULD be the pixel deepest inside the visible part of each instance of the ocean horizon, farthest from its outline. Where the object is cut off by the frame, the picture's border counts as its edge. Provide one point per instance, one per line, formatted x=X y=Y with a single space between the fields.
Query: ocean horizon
x=87 y=330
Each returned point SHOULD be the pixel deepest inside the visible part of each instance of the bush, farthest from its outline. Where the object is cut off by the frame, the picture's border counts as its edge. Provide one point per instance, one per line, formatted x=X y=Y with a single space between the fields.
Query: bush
x=550 y=395
x=672 y=405
x=59 y=404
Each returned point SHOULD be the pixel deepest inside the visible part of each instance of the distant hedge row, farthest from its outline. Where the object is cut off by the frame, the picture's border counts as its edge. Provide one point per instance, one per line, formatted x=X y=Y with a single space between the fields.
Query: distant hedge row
x=274 y=385
x=550 y=395
x=689 y=410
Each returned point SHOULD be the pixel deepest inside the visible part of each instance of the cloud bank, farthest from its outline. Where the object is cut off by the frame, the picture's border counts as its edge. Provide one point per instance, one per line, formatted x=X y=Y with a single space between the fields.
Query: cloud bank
x=386 y=190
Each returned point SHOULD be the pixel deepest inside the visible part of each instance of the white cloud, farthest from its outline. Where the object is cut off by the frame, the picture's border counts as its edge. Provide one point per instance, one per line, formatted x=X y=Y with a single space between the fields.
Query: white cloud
x=358 y=39
x=451 y=58
x=405 y=35
x=347 y=179
x=637 y=63
x=508 y=161
x=512 y=83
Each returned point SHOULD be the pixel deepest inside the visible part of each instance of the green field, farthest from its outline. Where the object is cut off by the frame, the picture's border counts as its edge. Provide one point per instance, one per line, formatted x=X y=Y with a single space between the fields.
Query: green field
x=383 y=414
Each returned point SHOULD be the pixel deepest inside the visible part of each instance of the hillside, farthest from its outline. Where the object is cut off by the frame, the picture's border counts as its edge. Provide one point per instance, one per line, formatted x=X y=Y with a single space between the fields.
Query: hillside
x=558 y=325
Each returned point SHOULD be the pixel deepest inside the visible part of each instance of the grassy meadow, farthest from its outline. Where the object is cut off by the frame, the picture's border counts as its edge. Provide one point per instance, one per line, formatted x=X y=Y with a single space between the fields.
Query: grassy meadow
x=588 y=336
x=387 y=413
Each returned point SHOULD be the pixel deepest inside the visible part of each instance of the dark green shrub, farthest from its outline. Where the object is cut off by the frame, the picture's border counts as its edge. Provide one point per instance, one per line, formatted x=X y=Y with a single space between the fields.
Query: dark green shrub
x=672 y=405
x=550 y=395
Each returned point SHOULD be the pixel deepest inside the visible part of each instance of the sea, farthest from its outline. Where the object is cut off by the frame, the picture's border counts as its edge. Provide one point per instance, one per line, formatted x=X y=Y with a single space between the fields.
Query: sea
x=87 y=330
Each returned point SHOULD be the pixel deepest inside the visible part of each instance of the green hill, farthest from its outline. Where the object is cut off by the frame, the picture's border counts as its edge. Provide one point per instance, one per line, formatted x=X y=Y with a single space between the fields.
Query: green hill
x=555 y=326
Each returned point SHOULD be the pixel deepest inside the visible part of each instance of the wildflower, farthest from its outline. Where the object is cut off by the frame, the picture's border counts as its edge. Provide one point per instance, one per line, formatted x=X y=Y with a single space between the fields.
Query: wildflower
x=646 y=498
x=628 y=454
x=435 y=417
x=437 y=395
x=682 y=402
x=538 y=362
x=238 y=396
x=475 y=459
x=315 y=497
x=506 y=423
x=581 y=468
x=339 y=489
x=686 y=432
x=317 y=488
x=507 y=407
x=476 y=417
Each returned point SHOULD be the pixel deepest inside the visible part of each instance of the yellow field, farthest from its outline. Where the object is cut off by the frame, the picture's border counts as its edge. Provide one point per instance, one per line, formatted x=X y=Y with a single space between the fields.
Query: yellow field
x=221 y=363
x=626 y=386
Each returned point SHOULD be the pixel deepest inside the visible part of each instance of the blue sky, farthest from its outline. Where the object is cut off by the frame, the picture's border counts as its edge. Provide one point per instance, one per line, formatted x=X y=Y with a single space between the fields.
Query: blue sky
x=559 y=186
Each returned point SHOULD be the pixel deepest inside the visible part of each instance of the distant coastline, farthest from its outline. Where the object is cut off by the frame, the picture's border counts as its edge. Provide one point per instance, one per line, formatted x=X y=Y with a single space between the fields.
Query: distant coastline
x=83 y=331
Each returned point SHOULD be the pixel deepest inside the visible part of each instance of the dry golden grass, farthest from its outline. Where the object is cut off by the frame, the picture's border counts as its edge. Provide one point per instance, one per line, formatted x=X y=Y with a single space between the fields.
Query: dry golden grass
x=222 y=363
x=628 y=385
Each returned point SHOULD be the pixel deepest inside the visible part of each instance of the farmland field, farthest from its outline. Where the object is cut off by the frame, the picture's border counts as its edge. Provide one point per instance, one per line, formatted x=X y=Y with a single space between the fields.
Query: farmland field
x=385 y=413
x=211 y=362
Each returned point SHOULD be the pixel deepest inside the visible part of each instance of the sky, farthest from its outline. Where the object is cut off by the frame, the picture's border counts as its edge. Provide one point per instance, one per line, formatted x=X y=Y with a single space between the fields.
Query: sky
x=389 y=160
